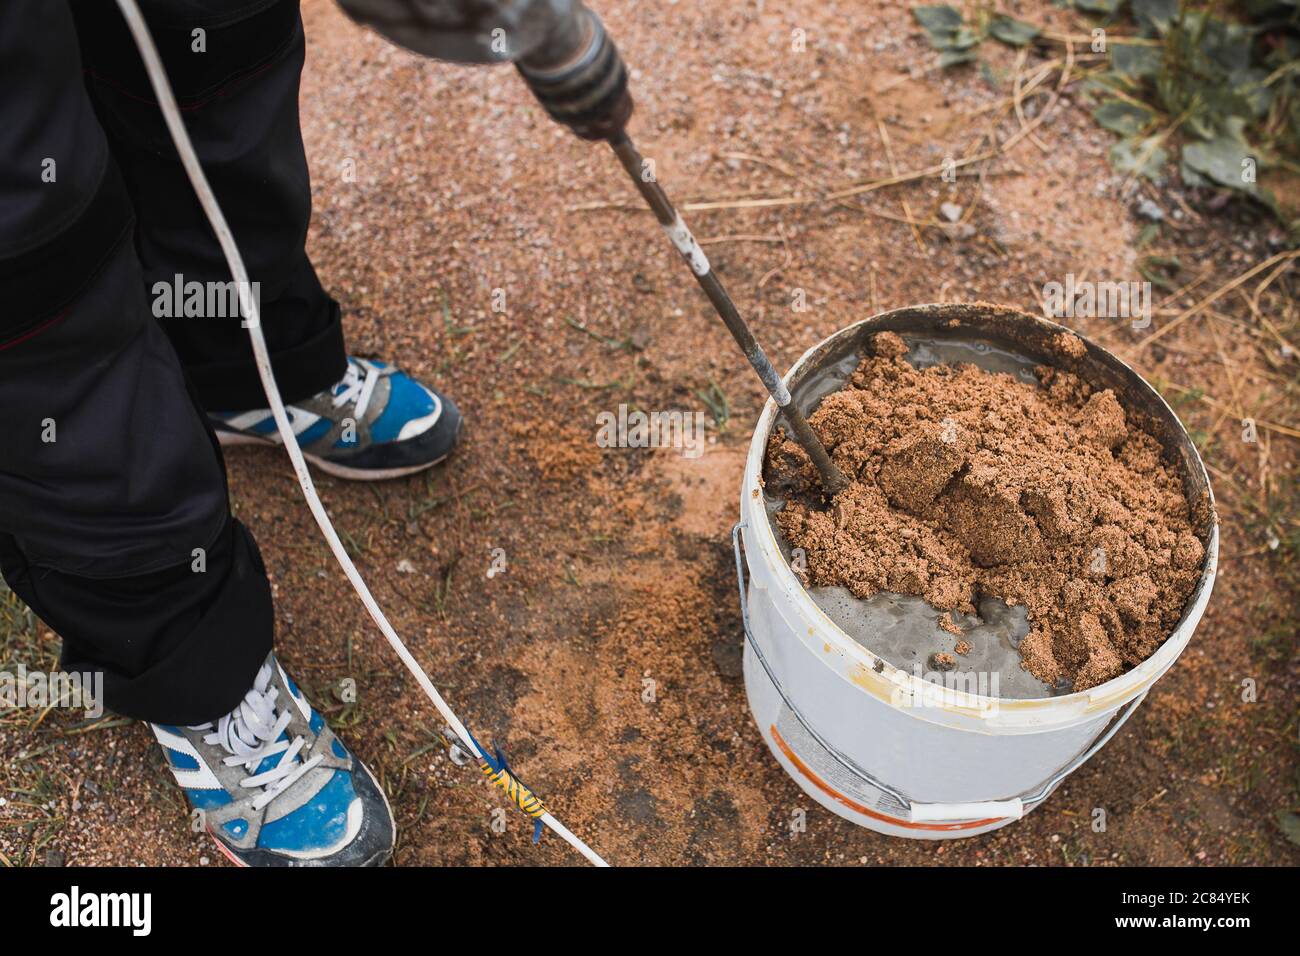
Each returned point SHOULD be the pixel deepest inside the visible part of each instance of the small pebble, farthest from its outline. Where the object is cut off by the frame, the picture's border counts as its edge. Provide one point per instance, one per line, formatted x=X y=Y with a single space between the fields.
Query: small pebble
x=1149 y=210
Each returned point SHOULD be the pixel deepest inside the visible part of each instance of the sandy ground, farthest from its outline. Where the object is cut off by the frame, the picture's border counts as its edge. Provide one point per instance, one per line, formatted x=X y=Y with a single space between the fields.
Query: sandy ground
x=435 y=186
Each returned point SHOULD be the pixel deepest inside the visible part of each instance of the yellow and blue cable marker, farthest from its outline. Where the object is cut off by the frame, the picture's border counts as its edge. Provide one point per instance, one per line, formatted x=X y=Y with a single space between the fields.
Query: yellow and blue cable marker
x=498 y=772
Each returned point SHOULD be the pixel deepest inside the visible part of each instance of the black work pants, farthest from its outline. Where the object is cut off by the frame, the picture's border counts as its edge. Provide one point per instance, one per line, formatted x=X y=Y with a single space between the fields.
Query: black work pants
x=114 y=521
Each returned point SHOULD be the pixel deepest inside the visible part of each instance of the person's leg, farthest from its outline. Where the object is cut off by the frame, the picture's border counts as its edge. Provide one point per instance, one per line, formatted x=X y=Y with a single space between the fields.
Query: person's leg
x=110 y=484
x=234 y=66
x=114 y=523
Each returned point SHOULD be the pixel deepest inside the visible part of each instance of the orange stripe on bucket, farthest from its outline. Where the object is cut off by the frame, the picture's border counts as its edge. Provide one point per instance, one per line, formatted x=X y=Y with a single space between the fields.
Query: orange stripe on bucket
x=830 y=791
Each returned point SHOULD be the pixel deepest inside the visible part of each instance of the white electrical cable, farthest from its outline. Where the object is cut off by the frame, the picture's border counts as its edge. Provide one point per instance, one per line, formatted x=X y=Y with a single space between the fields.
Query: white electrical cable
x=253 y=322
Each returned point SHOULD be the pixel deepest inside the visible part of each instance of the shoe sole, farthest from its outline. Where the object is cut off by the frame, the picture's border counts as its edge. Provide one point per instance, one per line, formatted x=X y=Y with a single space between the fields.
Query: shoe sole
x=229 y=439
x=379 y=859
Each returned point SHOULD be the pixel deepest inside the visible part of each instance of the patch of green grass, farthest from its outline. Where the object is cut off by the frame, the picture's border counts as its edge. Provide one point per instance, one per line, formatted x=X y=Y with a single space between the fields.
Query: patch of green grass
x=18 y=640
x=1161 y=271
x=451 y=332
x=33 y=817
x=612 y=343
x=717 y=402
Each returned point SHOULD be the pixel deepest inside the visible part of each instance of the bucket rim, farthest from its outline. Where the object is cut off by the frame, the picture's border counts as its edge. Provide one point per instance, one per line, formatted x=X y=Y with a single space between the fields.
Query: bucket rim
x=885 y=680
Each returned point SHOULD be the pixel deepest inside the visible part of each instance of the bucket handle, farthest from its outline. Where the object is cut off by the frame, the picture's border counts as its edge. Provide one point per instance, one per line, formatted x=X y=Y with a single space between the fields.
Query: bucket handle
x=1015 y=807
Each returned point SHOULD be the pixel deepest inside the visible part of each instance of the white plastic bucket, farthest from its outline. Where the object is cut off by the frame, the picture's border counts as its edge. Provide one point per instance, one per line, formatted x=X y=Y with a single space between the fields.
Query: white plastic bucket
x=846 y=725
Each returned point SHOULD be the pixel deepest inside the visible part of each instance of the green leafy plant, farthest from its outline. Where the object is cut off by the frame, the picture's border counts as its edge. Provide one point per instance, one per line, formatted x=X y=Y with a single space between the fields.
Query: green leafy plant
x=1226 y=86
x=957 y=39
x=1213 y=86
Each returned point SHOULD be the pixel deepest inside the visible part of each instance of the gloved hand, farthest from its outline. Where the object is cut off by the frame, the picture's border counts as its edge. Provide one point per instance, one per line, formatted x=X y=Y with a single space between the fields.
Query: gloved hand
x=559 y=46
x=465 y=31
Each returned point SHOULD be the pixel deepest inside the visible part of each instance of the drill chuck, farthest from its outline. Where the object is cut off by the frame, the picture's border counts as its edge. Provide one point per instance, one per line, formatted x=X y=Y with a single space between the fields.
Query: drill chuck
x=585 y=88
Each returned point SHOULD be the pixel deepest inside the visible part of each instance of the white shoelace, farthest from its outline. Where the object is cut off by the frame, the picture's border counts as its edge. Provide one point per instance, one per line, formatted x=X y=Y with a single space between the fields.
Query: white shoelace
x=250 y=733
x=354 y=387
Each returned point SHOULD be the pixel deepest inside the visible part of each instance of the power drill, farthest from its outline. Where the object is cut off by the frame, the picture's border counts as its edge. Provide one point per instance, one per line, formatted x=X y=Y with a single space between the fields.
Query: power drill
x=559 y=47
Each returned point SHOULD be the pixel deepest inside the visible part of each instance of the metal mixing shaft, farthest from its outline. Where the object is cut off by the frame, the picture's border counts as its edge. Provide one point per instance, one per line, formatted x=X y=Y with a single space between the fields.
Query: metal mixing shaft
x=833 y=479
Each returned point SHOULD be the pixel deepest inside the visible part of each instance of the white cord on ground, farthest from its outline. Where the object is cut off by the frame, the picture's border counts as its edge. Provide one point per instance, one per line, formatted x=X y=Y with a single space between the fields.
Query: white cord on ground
x=253 y=322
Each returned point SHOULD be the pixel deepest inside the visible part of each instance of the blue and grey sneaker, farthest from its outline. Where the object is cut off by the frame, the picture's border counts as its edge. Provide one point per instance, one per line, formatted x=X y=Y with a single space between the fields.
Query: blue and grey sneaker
x=375 y=423
x=275 y=787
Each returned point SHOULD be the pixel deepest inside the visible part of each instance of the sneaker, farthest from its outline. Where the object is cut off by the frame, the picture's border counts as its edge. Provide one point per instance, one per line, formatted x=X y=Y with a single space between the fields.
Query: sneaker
x=275 y=787
x=374 y=423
